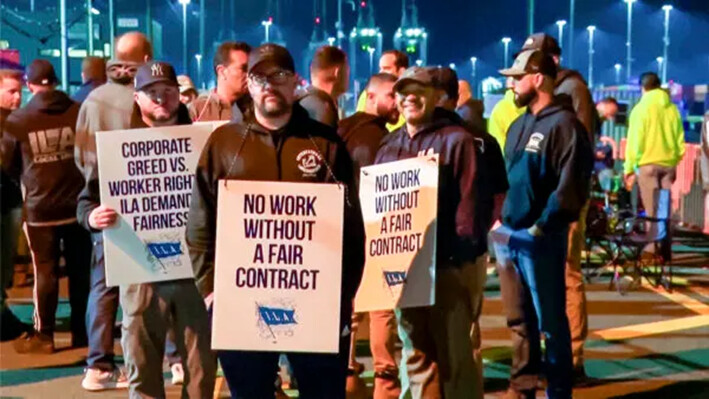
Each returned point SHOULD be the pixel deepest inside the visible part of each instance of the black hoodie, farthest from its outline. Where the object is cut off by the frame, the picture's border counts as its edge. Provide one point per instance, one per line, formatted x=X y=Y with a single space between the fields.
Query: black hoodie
x=362 y=134
x=491 y=177
x=549 y=162
x=455 y=238
x=248 y=151
x=41 y=146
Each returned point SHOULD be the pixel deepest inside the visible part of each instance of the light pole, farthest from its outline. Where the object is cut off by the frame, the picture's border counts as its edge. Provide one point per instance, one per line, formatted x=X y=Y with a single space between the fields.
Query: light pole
x=90 y=27
x=560 y=26
x=474 y=63
x=660 y=64
x=184 y=34
x=111 y=26
x=629 y=41
x=666 y=41
x=617 y=67
x=267 y=25
x=64 y=45
x=506 y=41
x=198 y=57
x=591 y=29
x=572 y=14
x=370 y=50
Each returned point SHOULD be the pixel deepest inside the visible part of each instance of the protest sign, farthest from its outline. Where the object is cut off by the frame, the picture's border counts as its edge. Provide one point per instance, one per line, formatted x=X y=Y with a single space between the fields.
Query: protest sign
x=146 y=176
x=278 y=267
x=399 y=205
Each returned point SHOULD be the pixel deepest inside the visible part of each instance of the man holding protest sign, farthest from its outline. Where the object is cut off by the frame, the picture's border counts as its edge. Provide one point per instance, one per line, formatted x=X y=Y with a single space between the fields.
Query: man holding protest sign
x=280 y=144
x=362 y=133
x=437 y=353
x=149 y=309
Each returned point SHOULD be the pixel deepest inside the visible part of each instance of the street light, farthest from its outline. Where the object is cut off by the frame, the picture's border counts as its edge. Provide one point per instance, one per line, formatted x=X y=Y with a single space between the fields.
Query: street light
x=451 y=65
x=267 y=24
x=198 y=57
x=591 y=29
x=660 y=64
x=331 y=41
x=629 y=41
x=617 y=67
x=474 y=62
x=184 y=33
x=371 y=59
x=560 y=25
x=506 y=41
x=666 y=41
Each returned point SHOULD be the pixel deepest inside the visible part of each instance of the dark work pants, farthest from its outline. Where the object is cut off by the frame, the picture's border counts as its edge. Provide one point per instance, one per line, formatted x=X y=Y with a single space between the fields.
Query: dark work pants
x=534 y=297
x=48 y=244
x=101 y=315
x=252 y=375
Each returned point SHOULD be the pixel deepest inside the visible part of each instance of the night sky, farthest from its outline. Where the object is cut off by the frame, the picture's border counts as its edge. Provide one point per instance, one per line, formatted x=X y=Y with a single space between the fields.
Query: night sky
x=459 y=29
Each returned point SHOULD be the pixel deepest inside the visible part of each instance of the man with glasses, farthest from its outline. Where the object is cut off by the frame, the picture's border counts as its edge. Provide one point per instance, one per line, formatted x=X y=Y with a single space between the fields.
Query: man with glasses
x=549 y=163
x=267 y=148
x=150 y=309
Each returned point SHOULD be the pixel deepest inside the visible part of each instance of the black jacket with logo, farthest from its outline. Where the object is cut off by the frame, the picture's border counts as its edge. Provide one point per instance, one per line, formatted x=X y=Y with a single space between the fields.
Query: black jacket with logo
x=491 y=177
x=362 y=134
x=90 y=196
x=549 y=162
x=456 y=183
x=40 y=145
x=248 y=151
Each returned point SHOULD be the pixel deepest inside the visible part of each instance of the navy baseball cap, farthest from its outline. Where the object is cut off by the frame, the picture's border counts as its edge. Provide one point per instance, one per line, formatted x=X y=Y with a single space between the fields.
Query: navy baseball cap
x=273 y=54
x=154 y=72
x=41 y=72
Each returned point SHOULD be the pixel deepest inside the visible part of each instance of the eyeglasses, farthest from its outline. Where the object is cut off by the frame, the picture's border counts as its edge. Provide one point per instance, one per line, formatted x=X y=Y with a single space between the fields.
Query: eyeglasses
x=274 y=79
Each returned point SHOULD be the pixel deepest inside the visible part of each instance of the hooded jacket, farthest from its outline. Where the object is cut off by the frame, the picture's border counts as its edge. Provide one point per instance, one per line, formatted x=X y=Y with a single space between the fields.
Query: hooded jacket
x=549 y=162
x=491 y=178
x=41 y=148
x=572 y=90
x=503 y=114
x=655 y=133
x=455 y=237
x=90 y=196
x=362 y=134
x=248 y=151
x=108 y=107
x=10 y=186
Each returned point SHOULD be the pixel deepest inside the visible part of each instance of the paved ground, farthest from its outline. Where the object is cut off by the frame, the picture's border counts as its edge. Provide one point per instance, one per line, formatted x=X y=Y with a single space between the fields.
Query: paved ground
x=645 y=344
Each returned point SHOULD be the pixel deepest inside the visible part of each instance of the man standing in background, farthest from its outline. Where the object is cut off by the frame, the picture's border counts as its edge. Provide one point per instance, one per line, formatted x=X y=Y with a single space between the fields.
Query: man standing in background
x=93 y=75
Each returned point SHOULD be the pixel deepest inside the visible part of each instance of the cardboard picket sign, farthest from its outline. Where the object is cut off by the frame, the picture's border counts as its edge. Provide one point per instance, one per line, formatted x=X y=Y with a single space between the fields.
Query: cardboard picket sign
x=399 y=203
x=278 y=267
x=146 y=176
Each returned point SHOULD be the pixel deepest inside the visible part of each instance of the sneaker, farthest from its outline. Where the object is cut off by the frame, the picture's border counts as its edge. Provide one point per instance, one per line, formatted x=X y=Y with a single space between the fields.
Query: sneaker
x=34 y=343
x=99 y=380
x=178 y=374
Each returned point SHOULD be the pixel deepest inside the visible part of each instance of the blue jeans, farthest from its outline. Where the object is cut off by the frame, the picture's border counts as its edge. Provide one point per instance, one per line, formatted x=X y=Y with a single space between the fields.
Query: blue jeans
x=533 y=289
x=101 y=312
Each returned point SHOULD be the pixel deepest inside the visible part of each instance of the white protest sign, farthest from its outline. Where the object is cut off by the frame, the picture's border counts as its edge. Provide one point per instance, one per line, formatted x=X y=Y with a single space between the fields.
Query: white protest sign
x=146 y=176
x=399 y=205
x=278 y=267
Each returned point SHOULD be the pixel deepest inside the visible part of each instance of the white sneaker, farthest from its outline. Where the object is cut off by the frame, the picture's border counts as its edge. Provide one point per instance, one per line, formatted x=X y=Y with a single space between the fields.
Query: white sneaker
x=178 y=374
x=98 y=380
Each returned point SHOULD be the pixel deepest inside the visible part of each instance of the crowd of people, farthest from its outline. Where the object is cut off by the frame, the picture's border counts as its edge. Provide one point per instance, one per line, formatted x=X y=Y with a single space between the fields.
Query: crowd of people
x=518 y=184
